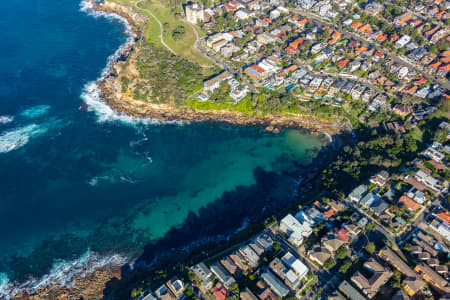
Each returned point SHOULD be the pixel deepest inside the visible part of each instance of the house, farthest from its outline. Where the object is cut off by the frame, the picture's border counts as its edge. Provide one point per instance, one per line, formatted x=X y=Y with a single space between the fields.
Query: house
x=212 y=84
x=343 y=234
x=401 y=42
x=239 y=261
x=294 y=229
x=247 y=294
x=429 y=181
x=379 y=207
x=368 y=200
x=228 y=264
x=413 y=206
x=434 y=154
x=226 y=279
x=332 y=244
x=249 y=254
x=275 y=284
x=380 y=178
x=402 y=109
x=164 y=293
x=220 y=293
x=203 y=274
x=348 y=290
x=441 y=285
x=413 y=283
x=357 y=193
x=285 y=273
x=295 y=264
x=239 y=92
x=265 y=241
x=176 y=286
x=416 y=195
x=441 y=226
x=403 y=19
x=319 y=255
x=352 y=229
x=267 y=294
x=379 y=276
x=337 y=206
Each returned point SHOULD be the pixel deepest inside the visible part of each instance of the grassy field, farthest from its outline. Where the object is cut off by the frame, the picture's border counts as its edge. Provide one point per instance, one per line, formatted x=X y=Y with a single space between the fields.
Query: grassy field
x=184 y=47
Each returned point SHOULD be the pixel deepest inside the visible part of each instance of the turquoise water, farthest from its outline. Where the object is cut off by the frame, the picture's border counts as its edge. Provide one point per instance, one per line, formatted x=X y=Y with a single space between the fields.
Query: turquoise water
x=73 y=180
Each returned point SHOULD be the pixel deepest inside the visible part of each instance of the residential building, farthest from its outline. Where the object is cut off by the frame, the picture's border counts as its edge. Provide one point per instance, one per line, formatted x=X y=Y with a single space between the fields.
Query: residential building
x=194 y=13
x=319 y=255
x=332 y=243
x=348 y=290
x=212 y=84
x=203 y=273
x=275 y=284
x=412 y=283
x=379 y=276
x=433 y=278
x=226 y=279
x=357 y=193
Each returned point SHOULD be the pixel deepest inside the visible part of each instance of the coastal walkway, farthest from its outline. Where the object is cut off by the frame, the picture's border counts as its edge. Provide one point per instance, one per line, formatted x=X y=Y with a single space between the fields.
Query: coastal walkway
x=136 y=5
x=161 y=34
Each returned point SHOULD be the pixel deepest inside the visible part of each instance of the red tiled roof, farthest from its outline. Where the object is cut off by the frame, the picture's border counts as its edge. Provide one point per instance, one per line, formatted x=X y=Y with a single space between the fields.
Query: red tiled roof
x=343 y=234
x=329 y=213
x=343 y=62
x=409 y=203
x=435 y=65
x=220 y=294
x=291 y=68
x=444 y=215
x=356 y=25
x=292 y=50
x=257 y=68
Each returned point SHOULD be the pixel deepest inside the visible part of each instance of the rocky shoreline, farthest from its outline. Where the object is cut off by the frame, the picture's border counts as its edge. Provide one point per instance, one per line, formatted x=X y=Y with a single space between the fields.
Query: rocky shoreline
x=86 y=286
x=111 y=94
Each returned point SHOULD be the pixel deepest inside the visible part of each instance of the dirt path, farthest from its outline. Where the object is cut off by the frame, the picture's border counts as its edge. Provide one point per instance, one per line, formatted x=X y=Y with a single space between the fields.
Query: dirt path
x=160 y=26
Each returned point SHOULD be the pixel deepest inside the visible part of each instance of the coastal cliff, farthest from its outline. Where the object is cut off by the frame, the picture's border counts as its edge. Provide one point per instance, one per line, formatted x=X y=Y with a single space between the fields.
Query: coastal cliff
x=88 y=286
x=138 y=86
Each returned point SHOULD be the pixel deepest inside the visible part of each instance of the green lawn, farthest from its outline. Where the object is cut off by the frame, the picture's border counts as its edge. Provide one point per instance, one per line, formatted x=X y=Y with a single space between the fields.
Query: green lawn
x=185 y=47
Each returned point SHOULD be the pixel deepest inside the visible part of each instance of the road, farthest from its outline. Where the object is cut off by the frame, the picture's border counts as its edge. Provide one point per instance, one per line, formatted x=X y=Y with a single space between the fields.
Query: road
x=444 y=83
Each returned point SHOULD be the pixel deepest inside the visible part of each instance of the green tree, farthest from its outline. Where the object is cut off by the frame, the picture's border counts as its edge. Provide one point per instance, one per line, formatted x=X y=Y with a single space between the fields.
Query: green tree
x=345 y=266
x=370 y=248
x=371 y=227
x=342 y=252
x=329 y=263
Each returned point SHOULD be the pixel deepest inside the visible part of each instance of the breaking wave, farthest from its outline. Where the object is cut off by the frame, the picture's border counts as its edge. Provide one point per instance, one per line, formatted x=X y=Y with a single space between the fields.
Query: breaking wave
x=91 y=94
x=6 y=119
x=62 y=273
x=35 y=111
x=18 y=137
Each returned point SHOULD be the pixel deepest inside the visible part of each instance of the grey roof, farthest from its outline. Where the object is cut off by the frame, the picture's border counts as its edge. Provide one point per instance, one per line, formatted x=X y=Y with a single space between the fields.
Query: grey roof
x=275 y=284
x=203 y=272
x=350 y=291
x=222 y=275
x=380 y=206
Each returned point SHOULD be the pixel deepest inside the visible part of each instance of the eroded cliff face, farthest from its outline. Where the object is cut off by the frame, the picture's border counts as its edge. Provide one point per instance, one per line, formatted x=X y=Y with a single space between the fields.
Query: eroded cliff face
x=138 y=86
x=88 y=287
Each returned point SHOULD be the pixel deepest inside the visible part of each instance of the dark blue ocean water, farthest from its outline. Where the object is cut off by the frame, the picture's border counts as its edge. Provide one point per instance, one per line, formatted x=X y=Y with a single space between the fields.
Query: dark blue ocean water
x=73 y=180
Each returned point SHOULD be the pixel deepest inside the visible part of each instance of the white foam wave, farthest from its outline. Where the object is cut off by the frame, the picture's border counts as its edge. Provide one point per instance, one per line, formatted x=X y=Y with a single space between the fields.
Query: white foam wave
x=91 y=93
x=62 y=273
x=6 y=119
x=104 y=113
x=18 y=137
x=35 y=111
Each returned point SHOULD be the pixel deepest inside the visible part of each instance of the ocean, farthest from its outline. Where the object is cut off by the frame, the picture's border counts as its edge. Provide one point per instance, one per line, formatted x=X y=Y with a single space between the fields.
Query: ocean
x=81 y=189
